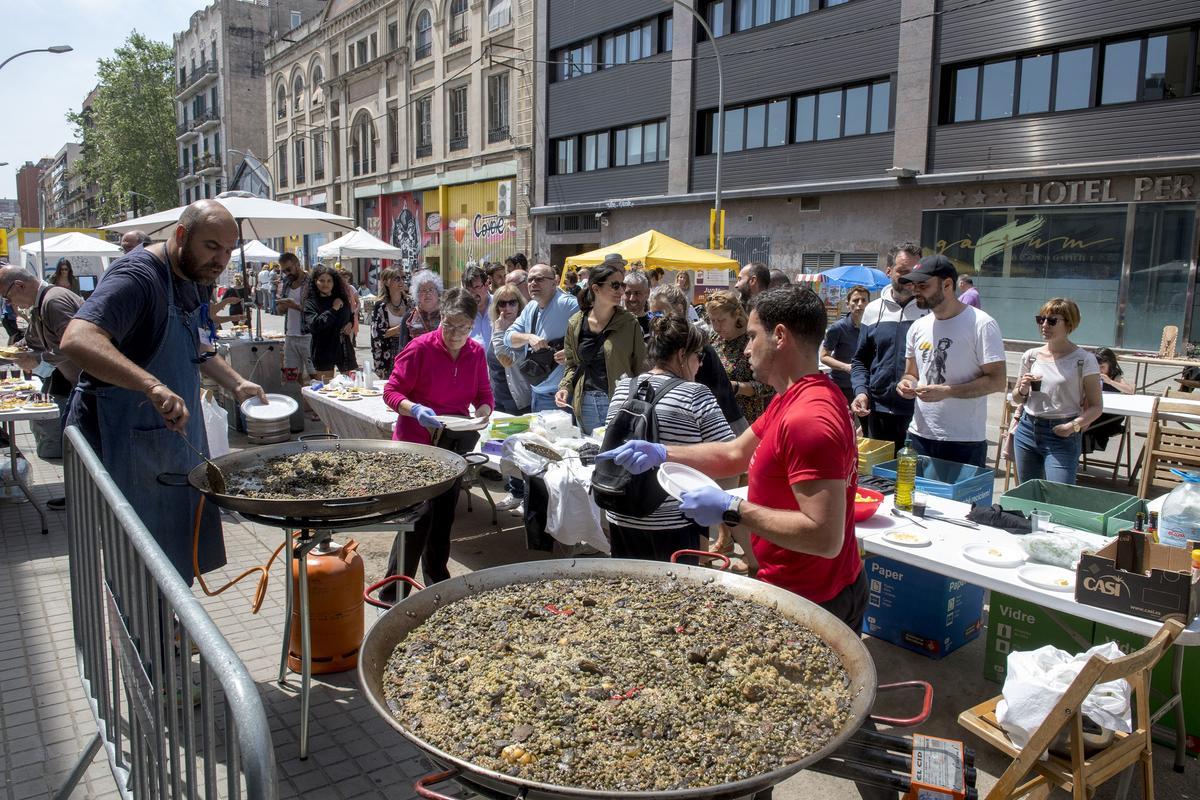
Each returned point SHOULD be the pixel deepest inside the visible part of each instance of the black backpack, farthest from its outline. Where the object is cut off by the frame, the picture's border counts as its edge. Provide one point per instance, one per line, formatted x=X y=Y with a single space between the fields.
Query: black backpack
x=614 y=488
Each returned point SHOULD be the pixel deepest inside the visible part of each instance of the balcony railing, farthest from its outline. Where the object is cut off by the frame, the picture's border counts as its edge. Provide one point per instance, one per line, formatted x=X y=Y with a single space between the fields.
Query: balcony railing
x=183 y=128
x=423 y=151
x=423 y=51
x=497 y=134
x=183 y=171
x=458 y=34
x=211 y=115
x=459 y=142
x=207 y=162
x=207 y=68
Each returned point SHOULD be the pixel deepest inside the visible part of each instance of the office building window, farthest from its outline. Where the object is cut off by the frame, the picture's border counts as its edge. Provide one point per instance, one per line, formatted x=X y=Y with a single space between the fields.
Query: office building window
x=458 y=118
x=1158 y=66
x=595 y=151
x=424 y=126
x=666 y=31
x=564 y=156
x=630 y=44
x=730 y=16
x=424 y=42
x=828 y=114
x=497 y=107
x=499 y=14
x=458 y=22
x=298 y=147
x=393 y=136
x=318 y=146
x=575 y=61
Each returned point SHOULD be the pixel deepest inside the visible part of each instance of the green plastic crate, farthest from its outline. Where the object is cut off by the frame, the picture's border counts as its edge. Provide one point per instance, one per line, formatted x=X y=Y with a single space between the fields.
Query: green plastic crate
x=1094 y=510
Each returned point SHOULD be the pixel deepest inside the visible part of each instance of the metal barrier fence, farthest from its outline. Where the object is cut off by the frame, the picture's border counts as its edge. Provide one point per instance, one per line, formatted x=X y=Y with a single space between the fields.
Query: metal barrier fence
x=176 y=711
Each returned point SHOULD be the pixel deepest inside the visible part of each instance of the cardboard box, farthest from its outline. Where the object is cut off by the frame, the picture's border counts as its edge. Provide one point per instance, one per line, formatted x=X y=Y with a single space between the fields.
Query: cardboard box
x=920 y=610
x=1074 y=506
x=1164 y=731
x=1166 y=590
x=962 y=482
x=1020 y=625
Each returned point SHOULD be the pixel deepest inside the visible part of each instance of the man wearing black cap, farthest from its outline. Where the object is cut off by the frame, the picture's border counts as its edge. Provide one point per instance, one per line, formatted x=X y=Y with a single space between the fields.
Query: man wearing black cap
x=955 y=359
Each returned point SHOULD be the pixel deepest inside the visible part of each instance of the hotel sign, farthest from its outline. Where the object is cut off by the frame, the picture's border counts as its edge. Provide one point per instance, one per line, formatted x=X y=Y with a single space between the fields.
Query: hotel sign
x=1138 y=188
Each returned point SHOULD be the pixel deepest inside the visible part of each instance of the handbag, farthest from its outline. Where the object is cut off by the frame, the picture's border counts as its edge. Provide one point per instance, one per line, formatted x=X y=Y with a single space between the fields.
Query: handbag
x=347 y=359
x=538 y=364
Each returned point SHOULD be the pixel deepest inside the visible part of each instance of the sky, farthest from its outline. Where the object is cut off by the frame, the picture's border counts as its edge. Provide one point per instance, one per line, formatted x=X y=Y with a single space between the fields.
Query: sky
x=37 y=90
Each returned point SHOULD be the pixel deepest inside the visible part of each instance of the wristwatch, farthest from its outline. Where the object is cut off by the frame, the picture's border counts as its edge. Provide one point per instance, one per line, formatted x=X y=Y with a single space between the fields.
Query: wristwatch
x=733 y=514
x=1075 y=425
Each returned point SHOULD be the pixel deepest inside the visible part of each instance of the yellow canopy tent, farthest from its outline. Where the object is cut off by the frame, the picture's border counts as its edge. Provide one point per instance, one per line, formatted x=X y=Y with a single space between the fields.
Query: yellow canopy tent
x=653 y=249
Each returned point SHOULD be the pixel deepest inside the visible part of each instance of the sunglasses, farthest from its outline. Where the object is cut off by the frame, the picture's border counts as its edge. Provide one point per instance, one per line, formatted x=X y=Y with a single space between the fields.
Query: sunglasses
x=616 y=286
x=1040 y=320
x=503 y=303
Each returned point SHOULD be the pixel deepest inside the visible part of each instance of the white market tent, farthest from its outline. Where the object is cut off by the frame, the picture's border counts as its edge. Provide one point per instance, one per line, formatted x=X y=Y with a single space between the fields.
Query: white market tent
x=73 y=245
x=256 y=252
x=358 y=244
x=258 y=216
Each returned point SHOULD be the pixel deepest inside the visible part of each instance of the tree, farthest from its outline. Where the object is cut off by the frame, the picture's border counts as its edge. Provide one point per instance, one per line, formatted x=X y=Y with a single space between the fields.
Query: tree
x=128 y=135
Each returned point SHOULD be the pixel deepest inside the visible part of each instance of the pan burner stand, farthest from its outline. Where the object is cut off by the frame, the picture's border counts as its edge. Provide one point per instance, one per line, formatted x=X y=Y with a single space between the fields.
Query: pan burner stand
x=313 y=534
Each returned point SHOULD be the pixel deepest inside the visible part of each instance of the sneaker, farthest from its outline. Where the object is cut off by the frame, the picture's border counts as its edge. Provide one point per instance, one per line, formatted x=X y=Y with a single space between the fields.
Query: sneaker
x=509 y=503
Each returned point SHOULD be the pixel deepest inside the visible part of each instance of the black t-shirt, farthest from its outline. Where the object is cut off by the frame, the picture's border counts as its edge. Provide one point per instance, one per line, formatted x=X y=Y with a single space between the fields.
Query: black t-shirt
x=130 y=304
x=591 y=358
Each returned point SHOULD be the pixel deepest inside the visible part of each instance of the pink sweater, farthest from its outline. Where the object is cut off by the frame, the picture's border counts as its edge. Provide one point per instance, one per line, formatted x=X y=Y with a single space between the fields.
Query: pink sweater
x=425 y=373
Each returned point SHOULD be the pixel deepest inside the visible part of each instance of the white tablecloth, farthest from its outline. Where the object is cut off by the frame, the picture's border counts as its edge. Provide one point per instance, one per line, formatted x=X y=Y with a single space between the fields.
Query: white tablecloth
x=367 y=418
x=945 y=557
x=1138 y=405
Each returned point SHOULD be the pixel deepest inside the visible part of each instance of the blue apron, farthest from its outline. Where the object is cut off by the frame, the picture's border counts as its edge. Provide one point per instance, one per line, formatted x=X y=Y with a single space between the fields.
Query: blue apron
x=136 y=446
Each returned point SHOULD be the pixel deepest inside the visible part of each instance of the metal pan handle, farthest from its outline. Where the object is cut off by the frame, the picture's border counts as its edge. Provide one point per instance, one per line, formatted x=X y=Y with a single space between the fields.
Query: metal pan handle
x=724 y=559
x=926 y=704
x=422 y=784
x=365 y=501
x=312 y=437
x=388 y=581
x=173 y=479
x=476 y=459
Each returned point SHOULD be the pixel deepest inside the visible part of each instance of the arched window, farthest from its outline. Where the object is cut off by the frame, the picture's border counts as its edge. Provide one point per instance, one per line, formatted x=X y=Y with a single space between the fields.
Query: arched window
x=362 y=145
x=424 y=46
x=458 y=22
x=297 y=92
x=318 y=93
x=280 y=101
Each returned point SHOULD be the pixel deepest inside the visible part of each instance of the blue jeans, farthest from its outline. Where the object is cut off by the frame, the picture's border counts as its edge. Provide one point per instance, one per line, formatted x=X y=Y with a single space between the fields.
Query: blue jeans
x=542 y=401
x=973 y=453
x=1041 y=453
x=594 y=410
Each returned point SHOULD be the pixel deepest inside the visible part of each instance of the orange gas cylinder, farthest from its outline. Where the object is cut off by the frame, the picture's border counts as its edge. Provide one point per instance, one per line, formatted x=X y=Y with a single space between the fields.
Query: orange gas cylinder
x=335 y=608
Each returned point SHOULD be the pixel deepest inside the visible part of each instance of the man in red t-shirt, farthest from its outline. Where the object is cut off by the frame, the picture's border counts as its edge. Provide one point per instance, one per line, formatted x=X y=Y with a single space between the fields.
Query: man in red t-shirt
x=802 y=459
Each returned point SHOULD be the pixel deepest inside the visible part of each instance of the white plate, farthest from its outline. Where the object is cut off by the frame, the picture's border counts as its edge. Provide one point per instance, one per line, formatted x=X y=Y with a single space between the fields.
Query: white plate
x=1045 y=576
x=456 y=423
x=994 y=555
x=278 y=406
x=679 y=478
x=908 y=538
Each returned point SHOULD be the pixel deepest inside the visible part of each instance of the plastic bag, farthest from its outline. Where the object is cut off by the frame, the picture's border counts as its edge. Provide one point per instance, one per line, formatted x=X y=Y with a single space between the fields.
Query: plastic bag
x=571 y=516
x=1037 y=679
x=1060 y=548
x=516 y=460
x=216 y=426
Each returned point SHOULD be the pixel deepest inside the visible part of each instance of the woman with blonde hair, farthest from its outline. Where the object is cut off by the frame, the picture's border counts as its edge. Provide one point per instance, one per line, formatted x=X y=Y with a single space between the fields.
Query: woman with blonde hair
x=1058 y=393
x=509 y=386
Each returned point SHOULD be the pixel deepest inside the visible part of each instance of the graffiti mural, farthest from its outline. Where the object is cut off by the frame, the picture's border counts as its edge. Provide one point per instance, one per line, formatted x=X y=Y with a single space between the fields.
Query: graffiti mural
x=402 y=225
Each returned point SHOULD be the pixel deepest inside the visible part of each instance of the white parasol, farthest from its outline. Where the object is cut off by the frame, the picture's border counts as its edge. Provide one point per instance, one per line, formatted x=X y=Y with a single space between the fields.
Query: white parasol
x=73 y=245
x=358 y=244
x=256 y=252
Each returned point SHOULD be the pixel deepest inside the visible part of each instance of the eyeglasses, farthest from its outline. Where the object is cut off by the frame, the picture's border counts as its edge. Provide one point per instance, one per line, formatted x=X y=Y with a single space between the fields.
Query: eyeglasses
x=503 y=303
x=456 y=330
x=699 y=354
x=539 y=278
x=8 y=291
x=1040 y=320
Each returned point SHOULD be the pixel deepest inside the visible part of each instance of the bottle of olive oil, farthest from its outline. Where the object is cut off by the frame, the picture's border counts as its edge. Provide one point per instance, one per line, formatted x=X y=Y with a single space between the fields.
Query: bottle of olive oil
x=906 y=476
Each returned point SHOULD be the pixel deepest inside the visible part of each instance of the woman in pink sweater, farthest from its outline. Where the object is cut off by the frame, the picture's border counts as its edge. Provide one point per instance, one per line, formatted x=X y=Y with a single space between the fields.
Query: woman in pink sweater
x=440 y=372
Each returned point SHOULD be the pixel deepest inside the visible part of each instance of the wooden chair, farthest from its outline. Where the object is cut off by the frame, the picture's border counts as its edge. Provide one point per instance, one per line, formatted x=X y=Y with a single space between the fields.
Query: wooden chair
x=1170 y=443
x=1007 y=419
x=1080 y=774
x=1170 y=339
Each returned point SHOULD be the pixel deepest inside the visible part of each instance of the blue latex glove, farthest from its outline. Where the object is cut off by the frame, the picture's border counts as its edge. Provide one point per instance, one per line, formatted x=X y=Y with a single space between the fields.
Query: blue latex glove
x=426 y=416
x=637 y=455
x=706 y=505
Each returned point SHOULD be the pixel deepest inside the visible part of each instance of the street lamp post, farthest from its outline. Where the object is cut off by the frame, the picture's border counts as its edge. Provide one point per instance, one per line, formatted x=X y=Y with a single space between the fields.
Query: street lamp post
x=56 y=49
x=717 y=222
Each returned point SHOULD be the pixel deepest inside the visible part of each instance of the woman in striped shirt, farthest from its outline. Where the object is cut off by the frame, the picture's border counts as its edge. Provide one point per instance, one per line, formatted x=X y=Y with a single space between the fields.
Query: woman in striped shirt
x=687 y=414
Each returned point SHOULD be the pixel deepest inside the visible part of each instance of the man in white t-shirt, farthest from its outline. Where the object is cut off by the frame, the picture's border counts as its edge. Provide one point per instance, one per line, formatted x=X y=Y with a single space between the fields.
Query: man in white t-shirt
x=954 y=360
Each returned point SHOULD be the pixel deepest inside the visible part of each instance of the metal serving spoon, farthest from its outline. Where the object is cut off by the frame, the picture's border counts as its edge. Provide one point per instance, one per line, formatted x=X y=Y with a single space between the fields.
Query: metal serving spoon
x=216 y=480
x=897 y=513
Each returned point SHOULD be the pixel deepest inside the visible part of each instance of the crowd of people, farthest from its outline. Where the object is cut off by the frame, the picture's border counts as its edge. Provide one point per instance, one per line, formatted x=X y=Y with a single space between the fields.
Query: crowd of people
x=739 y=371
